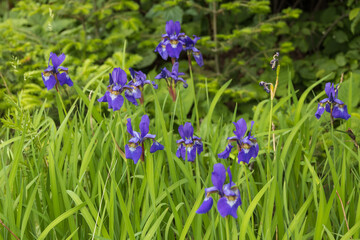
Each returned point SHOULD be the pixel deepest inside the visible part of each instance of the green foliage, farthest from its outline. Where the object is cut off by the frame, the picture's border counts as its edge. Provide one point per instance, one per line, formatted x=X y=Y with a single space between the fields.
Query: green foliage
x=70 y=180
x=92 y=34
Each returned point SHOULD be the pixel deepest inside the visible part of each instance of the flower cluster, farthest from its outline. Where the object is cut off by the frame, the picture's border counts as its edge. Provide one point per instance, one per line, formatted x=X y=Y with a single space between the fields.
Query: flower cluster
x=246 y=144
x=189 y=144
x=135 y=148
x=172 y=79
x=56 y=74
x=173 y=42
x=332 y=104
x=117 y=85
x=138 y=81
x=229 y=194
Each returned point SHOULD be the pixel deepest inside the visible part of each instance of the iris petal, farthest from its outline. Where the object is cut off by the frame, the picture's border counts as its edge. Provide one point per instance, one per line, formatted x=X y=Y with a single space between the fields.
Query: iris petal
x=155 y=147
x=205 y=206
x=225 y=154
x=218 y=176
x=49 y=81
x=133 y=153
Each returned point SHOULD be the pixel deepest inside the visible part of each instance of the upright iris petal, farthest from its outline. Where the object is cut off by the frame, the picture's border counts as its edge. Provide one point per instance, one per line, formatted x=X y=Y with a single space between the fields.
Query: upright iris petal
x=332 y=104
x=229 y=194
x=189 y=145
x=56 y=74
x=135 y=148
x=247 y=144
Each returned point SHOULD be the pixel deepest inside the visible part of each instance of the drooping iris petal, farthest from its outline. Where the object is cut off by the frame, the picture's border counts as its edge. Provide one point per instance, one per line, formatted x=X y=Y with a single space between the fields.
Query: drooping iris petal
x=103 y=98
x=199 y=146
x=154 y=85
x=49 y=81
x=185 y=85
x=240 y=128
x=149 y=136
x=155 y=147
x=218 y=176
x=340 y=111
x=198 y=57
x=179 y=151
x=116 y=101
x=133 y=153
x=161 y=49
x=228 y=207
x=225 y=154
x=191 y=153
x=205 y=206
x=320 y=111
x=144 y=125
x=245 y=155
x=65 y=79
x=174 y=49
x=131 y=98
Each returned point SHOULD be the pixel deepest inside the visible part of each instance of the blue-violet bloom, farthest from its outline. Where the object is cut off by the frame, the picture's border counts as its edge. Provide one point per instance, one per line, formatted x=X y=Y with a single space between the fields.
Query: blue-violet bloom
x=189 y=47
x=138 y=81
x=332 y=104
x=172 y=78
x=189 y=144
x=174 y=45
x=246 y=144
x=135 y=148
x=55 y=74
x=117 y=85
x=229 y=194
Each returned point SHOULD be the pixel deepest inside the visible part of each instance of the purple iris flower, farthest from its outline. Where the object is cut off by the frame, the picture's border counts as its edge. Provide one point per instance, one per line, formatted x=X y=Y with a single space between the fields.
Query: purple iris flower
x=117 y=85
x=189 y=47
x=246 y=144
x=332 y=104
x=172 y=78
x=189 y=144
x=171 y=44
x=55 y=74
x=135 y=148
x=138 y=81
x=229 y=194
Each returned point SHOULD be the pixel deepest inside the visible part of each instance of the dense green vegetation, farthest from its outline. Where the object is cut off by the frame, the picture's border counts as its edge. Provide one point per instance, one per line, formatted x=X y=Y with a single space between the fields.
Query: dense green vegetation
x=63 y=173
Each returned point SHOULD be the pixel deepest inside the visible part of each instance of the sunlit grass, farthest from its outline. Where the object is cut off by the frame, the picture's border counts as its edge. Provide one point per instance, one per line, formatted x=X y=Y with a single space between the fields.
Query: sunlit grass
x=70 y=180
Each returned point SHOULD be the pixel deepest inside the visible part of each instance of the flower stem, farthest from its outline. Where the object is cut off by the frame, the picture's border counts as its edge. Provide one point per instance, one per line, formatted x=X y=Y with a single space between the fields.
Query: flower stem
x=227 y=228
x=249 y=193
x=62 y=103
x=181 y=109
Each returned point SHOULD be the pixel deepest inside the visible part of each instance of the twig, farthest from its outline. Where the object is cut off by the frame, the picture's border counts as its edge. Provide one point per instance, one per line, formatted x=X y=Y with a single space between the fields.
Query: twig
x=342 y=206
x=7 y=89
x=9 y=230
x=330 y=28
x=217 y=68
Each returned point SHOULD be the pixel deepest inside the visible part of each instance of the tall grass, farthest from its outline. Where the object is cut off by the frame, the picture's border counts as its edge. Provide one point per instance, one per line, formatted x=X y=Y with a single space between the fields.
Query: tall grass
x=70 y=180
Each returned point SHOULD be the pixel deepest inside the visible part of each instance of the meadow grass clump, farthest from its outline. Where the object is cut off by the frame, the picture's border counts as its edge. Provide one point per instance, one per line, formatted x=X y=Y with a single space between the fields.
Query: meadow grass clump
x=293 y=177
